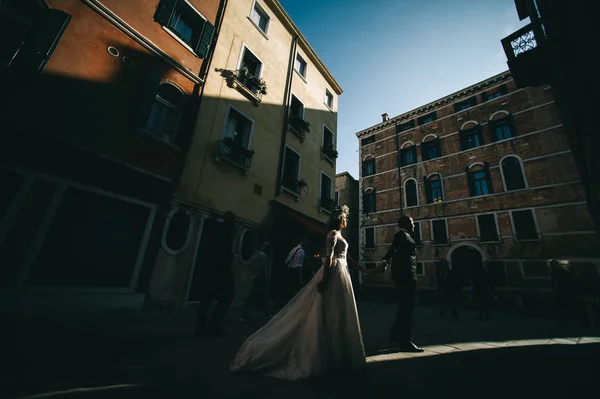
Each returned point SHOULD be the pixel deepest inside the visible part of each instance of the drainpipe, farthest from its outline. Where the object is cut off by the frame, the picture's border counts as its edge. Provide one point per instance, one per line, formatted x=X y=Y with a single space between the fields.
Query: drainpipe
x=399 y=176
x=286 y=112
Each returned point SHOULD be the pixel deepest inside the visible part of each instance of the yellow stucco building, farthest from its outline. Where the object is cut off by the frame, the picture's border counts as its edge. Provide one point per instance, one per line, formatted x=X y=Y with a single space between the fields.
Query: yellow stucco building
x=263 y=148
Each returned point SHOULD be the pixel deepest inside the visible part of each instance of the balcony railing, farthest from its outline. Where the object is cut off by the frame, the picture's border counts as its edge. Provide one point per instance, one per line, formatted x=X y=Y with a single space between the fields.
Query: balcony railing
x=233 y=152
x=329 y=152
x=327 y=204
x=251 y=82
x=299 y=126
x=525 y=50
x=294 y=185
x=249 y=85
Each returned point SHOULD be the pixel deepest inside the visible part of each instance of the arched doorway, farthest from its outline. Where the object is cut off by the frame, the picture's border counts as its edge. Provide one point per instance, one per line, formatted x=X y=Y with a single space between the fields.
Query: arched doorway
x=465 y=260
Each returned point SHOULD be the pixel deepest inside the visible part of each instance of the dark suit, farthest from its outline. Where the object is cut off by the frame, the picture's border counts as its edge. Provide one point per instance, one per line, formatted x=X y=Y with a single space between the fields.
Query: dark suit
x=403 y=254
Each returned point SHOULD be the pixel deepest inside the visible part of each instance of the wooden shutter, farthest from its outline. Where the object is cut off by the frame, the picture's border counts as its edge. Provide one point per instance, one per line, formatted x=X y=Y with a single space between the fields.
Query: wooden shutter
x=470 y=182
x=438 y=143
x=503 y=90
x=413 y=149
x=188 y=122
x=205 y=40
x=492 y=130
x=36 y=50
x=146 y=95
x=483 y=97
x=480 y=135
x=364 y=202
x=457 y=106
x=424 y=155
x=165 y=11
x=428 y=195
x=511 y=124
x=488 y=177
x=463 y=139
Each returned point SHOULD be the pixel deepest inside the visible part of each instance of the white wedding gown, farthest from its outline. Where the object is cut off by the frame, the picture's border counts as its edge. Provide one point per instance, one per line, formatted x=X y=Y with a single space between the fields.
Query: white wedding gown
x=315 y=333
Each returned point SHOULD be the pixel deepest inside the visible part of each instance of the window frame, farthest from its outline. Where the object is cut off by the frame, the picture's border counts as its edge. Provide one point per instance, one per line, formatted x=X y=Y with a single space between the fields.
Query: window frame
x=241 y=60
x=525 y=277
x=252 y=124
x=405 y=149
x=478 y=225
x=504 y=184
x=406 y=191
x=535 y=223
x=432 y=232
x=303 y=106
x=372 y=161
x=368 y=192
x=261 y=8
x=436 y=141
x=329 y=95
x=302 y=61
x=175 y=35
x=367 y=140
x=165 y=102
x=424 y=120
x=283 y=170
x=331 y=189
x=429 y=190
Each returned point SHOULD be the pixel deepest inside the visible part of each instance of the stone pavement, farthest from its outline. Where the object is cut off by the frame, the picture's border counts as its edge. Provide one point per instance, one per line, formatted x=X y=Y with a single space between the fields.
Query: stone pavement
x=153 y=355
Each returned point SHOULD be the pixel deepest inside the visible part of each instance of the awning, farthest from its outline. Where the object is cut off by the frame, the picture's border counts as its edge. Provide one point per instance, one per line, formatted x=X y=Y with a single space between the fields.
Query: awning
x=313 y=225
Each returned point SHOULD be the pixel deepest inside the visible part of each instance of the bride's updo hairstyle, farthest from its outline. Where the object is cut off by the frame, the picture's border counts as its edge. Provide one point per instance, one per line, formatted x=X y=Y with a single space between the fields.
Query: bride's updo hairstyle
x=335 y=220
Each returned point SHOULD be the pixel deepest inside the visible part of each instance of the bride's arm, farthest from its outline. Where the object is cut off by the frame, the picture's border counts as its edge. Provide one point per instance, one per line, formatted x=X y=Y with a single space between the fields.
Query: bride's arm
x=356 y=266
x=327 y=260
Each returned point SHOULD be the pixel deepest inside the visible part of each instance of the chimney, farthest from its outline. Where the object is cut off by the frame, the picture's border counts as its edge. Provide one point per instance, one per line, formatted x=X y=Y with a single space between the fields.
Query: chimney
x=385 y=117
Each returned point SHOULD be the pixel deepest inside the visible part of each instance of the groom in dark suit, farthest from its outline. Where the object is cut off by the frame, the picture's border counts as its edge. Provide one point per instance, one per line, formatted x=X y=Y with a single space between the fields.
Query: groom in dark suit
x=403 y=254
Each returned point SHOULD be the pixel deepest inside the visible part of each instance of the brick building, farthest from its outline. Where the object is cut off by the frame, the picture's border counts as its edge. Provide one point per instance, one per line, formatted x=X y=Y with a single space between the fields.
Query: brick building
x=104 y=96
x=488 y=176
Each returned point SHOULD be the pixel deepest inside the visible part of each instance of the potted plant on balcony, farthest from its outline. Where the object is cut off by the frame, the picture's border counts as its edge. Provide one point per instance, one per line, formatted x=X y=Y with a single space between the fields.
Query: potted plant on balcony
x=302 y=185
x=299 y=126
x=327 y=204
x=330 y=151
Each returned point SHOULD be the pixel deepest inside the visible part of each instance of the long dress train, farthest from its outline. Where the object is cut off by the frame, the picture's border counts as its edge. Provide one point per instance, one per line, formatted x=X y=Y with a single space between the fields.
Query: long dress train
x=315 y=333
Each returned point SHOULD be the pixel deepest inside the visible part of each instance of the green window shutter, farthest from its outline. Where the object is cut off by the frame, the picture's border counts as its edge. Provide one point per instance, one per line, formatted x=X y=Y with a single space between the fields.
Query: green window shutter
x=364 y=202
x=503 y=89
x=413 y=149
x=470 y=182
x=438 y=143
x=428 y=195
x=146 y=95
x=511 y=124
x=424 y=152
x=374 y=201
x=488 y=177
x=463 y=139
x=205 y=40
x=483 y=97
x=165 y=11
x=480 y=135
x=36 y=50
x=492 y=130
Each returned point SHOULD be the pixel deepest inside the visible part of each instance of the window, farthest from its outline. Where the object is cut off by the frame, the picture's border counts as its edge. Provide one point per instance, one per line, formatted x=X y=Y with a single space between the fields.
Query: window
x=405 y=126
x=236 y=139
x=502 y=129
x=439 y=232
x=433 y=189
x=326 y=192
x=370 y=238
x=488 y=229
x=410 y=190
x=297 y=123
x=93 y=241
x=369 y=201
x=512 y=173
x=300 y=65
x=250 y=70
x=328 y=99
x=420 y=269
x=367 y=140
x=337 y=197
x=535 y=269
x=368 y=167
x=296 y=108
x=247 y=245
x=427 y=118
x=416 y=235
x=479 y=180
x=500 y=91
x=470 y=138
x=461 y=106
x=431 y=149
x=291 y=170
x=408 y=155
x=328 y=146
x=184 y=22
x=177 y=231
x=260 y=17
x=524 y=225
x=166 y=112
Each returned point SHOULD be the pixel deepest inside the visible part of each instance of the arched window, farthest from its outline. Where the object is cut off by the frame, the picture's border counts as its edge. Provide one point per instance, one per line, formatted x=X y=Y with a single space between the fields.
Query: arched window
x=369 y=166
x=480 y=182
x=470 y=137
x=408 y=154
x=502 y=126
x=431 y=148
x=369 y=201
x=176 y=232
x=433 y=189
x=410 y=190
x=166 y=112
x=512 y=172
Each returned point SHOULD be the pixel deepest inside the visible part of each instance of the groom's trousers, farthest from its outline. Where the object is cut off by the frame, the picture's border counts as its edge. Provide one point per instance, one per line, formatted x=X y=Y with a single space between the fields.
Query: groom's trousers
x=405 y=296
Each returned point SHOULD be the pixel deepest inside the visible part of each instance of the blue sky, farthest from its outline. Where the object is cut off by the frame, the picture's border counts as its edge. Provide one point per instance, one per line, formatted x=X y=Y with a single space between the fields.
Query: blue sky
x=396 y=55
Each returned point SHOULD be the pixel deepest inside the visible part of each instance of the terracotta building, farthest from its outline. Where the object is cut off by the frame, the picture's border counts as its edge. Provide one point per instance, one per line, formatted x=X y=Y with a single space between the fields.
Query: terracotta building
x=104 y=95
x=488 y=175
x=263 y=148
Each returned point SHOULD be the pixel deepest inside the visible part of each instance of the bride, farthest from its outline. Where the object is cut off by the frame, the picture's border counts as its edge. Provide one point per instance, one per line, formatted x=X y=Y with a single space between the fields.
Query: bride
x=318 y=331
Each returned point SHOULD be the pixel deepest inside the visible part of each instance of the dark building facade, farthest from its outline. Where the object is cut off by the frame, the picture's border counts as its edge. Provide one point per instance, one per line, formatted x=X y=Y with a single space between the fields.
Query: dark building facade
x=489 y=177
x=103 y=96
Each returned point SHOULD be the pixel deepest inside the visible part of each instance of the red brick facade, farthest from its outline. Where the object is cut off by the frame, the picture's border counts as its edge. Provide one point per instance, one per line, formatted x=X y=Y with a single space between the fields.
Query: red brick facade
x=551 y=189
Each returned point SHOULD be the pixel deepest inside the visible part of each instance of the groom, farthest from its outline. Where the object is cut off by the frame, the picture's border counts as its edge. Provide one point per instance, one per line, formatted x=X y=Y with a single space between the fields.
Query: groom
x=403 y=254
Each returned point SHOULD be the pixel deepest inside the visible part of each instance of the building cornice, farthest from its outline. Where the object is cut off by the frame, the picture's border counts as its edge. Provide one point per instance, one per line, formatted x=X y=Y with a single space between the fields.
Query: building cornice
x=310 y=52
x=436 y=104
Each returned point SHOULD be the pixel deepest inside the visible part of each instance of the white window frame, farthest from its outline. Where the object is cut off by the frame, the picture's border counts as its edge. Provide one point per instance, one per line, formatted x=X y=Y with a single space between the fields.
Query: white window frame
x=305 y=66
x=522 y=269
x=261 y=8
x=417 y=192
x=300 y=101
x=499 y=235
x=166 y=103
x=241 y=59
x=374 y=238
x=165 y=232
x=327 y=92
x=504 y=178
x=321 y=187
x=174 y=35
x=323 y=136
x=298 y=175
x=224 y=132
x=535 y=222
x=432 y=236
